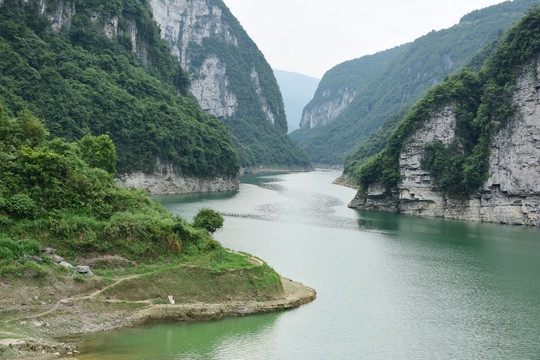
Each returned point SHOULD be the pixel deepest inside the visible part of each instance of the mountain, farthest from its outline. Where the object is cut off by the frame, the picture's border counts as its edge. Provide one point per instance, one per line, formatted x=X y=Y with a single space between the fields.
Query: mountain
x=297 y=90
x=470 y=148
x=230 y=78
x=402 y=82
x=340 y=85
x=87 y=68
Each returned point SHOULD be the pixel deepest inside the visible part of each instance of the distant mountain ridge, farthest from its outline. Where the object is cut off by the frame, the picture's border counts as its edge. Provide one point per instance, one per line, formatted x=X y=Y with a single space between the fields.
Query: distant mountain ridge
x=297 y=90
x=406 y=78
x=340 y=85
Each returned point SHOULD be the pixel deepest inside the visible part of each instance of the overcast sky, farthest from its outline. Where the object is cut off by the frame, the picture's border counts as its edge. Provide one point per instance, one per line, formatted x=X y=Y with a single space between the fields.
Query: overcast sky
x=311 y=36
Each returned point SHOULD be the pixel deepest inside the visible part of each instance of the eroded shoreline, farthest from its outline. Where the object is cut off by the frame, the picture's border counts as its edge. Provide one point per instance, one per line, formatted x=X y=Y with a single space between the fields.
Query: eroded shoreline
x=84 y=315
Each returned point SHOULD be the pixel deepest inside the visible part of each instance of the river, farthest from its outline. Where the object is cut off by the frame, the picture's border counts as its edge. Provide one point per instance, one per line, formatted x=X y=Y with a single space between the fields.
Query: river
x=389 y=286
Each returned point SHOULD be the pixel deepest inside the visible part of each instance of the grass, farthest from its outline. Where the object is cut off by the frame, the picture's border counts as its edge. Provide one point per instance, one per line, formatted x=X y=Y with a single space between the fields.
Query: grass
x=215 y=277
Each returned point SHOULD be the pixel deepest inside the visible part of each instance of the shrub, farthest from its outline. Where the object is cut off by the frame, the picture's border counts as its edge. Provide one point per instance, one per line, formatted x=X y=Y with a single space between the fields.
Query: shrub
x=208 y=219
x=21 y=206
x=29 y=247
x=9 y=246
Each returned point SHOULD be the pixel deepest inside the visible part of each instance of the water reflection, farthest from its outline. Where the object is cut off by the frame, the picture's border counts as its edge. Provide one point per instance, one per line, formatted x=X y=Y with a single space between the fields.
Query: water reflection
x=223 y=339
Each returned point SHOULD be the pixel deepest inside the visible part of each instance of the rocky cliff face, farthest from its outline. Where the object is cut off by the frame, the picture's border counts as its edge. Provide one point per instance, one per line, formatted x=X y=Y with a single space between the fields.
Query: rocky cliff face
x=168 y=179
x=332 y=104
x=230 y=79
x=184 y=22
x=210 y=87
x=511 y=195
x=187 y=22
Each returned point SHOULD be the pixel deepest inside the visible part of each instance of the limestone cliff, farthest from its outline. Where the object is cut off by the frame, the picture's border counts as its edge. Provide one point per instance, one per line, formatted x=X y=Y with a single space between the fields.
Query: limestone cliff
x=511 y=195
x=230 y=78
x=186 y=151
x=185 y=22
x=188 y=25
x=329 y=107
x=168 y=179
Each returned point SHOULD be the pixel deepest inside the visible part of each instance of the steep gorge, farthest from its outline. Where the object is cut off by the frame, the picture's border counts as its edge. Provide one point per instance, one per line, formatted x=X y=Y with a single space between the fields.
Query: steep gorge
x=230 y=78
x=335 y=126
x=511 y=193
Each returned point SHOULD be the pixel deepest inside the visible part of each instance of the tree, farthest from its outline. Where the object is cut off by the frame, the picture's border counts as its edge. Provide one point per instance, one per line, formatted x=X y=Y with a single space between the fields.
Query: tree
x=99 y=152
x=208 y=219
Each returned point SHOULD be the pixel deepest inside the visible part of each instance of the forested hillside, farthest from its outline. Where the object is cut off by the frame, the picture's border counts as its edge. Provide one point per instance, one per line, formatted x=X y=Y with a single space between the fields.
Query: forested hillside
x=231 y=79
x=482 y=105
x=424 y=63
x=89 y=67
x=339 y=86
x=63 y=195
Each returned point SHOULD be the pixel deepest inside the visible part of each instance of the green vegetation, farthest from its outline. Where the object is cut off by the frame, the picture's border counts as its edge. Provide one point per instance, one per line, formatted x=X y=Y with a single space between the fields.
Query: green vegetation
x=482 y=103
x=84 y=83
x=194 y=284
x=208 y=219
x=406 y=79
x=259 y=142
x=353 y=75
x=49 y=195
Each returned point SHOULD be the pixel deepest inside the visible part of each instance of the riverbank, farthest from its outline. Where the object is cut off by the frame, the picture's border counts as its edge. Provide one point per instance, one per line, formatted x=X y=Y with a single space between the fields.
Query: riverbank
x=31 y=329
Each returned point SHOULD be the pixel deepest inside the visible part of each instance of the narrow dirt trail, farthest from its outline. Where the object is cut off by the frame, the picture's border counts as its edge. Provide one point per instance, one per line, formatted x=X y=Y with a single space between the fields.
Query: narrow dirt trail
x=67 y=300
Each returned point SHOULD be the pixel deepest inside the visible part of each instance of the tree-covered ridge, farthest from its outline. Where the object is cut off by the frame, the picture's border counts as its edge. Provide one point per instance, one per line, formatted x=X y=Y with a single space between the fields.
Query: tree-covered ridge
x=259 y=142
x=378 y=140
x=354 y=75
x=482 y=103
x=425 y=62
x=83 y=82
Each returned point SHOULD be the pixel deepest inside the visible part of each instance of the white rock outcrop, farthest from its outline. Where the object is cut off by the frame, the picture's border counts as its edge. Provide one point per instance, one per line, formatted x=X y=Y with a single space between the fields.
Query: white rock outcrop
x=262 y=100
x=168 y=179
x=61 y=16
x=330 y=107
x=210 y=87
x=186 y=22
x=511 y=195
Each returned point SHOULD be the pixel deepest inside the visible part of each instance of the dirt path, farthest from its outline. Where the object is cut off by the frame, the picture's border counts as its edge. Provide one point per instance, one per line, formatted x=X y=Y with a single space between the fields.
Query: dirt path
x=67 y=300
x=295 y=294
x=251 y=259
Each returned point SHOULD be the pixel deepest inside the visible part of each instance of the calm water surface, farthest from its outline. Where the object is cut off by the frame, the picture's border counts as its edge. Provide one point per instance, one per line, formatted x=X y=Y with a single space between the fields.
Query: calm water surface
x=389 y=286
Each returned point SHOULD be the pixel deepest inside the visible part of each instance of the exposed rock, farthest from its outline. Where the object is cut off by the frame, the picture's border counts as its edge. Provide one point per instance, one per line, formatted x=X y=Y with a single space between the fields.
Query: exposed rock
x=61 y=16
x=85 y=270
x=188 y=22
x=258 y=89
x=35 y=259
x=47 y=250
x=210 y=87
x=169 y=180
x=329 y=109
x=185 y=21
x=66 y=264
x=511 y=195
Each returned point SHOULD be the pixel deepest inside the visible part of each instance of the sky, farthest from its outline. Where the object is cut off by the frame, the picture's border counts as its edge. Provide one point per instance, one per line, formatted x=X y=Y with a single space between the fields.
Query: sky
x=312 y=36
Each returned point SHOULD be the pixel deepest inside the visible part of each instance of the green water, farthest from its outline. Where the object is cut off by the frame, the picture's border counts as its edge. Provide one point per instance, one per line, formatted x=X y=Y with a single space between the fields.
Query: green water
x=389 y=286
